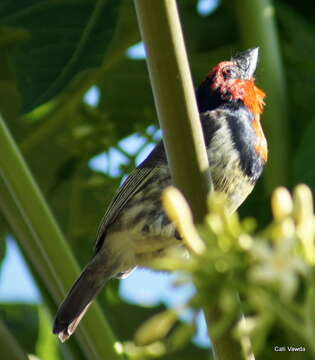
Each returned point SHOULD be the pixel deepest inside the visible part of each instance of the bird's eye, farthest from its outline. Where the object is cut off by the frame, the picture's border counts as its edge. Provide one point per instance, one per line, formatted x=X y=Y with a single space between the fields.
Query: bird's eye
x=228 y=73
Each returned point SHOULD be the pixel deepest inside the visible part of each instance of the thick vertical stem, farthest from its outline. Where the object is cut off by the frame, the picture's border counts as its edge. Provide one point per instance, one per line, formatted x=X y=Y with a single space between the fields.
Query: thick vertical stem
x=257 y=26
x=175 y=100
x=225 y=346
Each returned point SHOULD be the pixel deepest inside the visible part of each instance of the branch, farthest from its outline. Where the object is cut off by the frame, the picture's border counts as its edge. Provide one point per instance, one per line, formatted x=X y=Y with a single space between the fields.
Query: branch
x=175 y=101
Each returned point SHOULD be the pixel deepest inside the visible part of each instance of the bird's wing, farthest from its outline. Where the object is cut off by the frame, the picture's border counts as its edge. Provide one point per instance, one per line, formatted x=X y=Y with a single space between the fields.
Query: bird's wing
x=129 y=188
x=139 y=177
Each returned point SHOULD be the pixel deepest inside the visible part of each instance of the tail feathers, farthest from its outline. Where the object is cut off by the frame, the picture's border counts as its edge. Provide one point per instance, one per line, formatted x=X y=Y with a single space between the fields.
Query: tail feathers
x=78 y=300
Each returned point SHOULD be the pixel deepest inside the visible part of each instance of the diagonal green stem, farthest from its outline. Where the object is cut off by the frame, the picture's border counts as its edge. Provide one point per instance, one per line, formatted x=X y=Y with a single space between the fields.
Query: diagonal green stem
x=26 y=211
x=10 y=349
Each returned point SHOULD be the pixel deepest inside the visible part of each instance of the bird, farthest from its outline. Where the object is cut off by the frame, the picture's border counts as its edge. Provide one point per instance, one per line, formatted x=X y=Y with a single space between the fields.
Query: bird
x=135 y=228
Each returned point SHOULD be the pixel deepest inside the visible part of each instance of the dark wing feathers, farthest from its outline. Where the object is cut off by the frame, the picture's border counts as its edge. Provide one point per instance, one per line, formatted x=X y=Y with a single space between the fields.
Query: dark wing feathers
x=149 y=168
x=130 y=187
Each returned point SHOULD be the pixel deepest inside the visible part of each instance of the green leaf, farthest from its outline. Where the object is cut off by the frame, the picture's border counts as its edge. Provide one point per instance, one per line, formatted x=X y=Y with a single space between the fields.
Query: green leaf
x=67 y=37
x=47 y=343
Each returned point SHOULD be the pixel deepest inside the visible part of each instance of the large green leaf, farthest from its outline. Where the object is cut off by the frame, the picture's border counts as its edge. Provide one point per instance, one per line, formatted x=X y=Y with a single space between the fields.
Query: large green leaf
x=66 y=37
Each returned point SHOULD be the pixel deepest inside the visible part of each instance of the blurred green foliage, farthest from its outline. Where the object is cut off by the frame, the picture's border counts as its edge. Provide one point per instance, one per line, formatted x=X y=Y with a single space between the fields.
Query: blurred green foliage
x=268 y=273
x=52 y=52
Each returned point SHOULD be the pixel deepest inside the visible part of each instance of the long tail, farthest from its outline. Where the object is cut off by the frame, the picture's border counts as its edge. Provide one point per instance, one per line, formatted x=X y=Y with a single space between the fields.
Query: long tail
x=78 y=300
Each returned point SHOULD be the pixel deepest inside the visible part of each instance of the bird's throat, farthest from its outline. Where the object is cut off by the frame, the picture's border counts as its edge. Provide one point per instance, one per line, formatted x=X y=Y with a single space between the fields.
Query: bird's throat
x=253 y=99
x=245 y=91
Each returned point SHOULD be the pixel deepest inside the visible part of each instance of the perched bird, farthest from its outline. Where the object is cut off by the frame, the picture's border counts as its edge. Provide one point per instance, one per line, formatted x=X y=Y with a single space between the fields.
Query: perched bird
x=135 y=229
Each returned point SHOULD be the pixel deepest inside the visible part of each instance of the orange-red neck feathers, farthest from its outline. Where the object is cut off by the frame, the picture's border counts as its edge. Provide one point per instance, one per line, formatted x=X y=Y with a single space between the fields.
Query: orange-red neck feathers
x=244 y=90
x=249 y=94
x=253 y=98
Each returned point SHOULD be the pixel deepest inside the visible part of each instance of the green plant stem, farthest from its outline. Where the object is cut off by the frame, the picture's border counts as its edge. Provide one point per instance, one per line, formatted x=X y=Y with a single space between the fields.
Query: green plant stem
x=225 y=346
x=178 y=115
x=257 y=26
x=26 y=211
x=10 y=349
x=175 y=101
